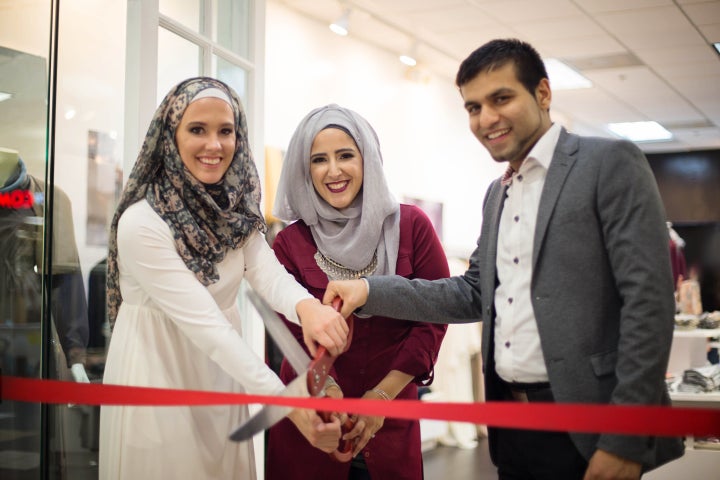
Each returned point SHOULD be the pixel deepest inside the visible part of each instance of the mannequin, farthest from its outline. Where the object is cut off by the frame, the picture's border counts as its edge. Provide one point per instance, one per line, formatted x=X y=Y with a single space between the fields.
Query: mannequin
x=21 y=252
x=8 y=163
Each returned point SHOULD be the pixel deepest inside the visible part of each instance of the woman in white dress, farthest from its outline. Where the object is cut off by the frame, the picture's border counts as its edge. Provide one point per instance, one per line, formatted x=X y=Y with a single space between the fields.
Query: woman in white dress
x=188 y=229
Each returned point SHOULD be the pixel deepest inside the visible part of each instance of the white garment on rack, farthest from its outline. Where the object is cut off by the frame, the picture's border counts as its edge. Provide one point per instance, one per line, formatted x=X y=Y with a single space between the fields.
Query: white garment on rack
x=453 y=372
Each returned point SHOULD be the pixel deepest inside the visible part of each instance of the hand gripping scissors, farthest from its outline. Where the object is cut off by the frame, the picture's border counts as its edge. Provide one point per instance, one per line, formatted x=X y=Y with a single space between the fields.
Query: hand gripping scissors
x=310 y=382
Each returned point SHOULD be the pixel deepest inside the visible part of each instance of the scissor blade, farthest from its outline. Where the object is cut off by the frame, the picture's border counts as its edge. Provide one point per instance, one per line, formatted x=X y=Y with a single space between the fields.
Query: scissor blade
x=269 y=415
x=288 y=344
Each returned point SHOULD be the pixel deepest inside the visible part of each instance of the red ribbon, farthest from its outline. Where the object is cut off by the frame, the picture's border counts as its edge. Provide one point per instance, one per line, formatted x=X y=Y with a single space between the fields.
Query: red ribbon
x=618 y=419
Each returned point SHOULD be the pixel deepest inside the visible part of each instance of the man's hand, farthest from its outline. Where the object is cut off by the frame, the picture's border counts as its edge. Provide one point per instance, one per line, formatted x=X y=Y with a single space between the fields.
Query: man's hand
x=322 y=324
x=324 y=436
x=608 y=466
x=354 y=294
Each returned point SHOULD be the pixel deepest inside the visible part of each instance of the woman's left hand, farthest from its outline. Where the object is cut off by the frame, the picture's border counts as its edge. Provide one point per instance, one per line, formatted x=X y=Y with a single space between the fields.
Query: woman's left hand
x=365 y=427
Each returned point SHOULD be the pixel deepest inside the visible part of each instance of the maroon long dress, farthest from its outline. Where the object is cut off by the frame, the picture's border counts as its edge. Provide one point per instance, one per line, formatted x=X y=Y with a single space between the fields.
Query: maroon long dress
x=379 y=345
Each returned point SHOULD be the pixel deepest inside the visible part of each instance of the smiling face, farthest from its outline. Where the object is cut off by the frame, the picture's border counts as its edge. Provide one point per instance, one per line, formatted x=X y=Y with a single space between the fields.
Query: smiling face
x=506 y=118
x=336 y=167
x=205 y=139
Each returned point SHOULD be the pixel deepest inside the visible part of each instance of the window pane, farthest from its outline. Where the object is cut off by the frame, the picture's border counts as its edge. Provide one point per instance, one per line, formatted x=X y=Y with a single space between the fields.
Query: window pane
x=234 y=76
x=187 y=12
x=233 y=25
x=23 y=119
x=178 y=59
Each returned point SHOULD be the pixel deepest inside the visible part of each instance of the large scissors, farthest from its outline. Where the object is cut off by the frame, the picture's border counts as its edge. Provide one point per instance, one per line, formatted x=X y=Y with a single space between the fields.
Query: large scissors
x=310 y=382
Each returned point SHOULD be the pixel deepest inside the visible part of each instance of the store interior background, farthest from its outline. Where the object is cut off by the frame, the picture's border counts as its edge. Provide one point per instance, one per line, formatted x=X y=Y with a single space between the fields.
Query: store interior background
x=428 y=149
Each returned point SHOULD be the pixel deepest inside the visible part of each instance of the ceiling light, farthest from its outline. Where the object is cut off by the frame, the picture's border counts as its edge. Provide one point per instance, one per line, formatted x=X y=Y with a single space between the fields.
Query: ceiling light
x=562 y=77
x=717 y=46
x=4 y=96
x=409 y=58
x=342 y=24
x=640 y=131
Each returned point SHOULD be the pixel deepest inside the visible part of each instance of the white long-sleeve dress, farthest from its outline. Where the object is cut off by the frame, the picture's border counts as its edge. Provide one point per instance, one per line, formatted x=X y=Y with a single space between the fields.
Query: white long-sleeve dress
x=173 y=332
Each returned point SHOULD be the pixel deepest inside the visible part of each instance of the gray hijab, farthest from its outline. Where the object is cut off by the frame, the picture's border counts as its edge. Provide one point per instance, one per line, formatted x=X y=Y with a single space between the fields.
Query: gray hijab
x=370 y=225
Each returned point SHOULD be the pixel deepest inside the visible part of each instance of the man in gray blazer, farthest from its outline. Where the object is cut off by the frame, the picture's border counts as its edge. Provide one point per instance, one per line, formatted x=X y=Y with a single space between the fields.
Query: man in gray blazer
x=571 y=276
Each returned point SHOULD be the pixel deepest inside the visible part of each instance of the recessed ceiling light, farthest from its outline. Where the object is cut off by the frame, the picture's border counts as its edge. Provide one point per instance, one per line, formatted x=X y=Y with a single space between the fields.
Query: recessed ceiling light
x=640 y=131
x=562 y=77
x=4 y=96
x=341 y=26
x=408 y=60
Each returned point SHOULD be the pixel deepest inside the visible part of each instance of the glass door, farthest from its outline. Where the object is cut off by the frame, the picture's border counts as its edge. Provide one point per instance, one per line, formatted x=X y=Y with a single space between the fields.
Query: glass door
x=25 y=66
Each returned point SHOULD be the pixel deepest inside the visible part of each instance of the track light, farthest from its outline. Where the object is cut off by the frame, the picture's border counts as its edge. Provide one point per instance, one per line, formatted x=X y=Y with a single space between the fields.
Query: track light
x=409 y=58
x=342 y=24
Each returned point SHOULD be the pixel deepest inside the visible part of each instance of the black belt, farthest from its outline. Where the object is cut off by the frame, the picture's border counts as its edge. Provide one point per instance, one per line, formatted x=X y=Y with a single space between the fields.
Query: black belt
x=528 y=392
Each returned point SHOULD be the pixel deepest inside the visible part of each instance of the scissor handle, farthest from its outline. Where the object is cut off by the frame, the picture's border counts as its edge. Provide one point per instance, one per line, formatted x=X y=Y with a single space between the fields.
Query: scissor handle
x=344 y=451
x=319 y=367
x=317 y=374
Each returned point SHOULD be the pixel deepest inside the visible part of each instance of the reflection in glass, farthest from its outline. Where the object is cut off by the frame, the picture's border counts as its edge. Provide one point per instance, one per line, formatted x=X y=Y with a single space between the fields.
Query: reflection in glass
x=234 y=76
x=233 y=26
x=104 y=186
x=23 y=271
x=178 y=59
x=23 y=116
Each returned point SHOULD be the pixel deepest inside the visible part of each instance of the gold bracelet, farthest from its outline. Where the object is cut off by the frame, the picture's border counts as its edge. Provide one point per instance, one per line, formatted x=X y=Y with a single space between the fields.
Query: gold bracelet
x=382 y=393
x=329 y=383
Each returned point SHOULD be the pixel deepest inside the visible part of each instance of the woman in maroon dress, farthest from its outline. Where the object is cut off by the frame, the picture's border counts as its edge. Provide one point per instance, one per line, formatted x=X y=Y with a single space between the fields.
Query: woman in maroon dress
x=348 y=225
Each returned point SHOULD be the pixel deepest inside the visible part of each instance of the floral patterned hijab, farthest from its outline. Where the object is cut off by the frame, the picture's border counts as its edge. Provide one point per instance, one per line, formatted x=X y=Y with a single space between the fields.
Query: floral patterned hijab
x=206 y=220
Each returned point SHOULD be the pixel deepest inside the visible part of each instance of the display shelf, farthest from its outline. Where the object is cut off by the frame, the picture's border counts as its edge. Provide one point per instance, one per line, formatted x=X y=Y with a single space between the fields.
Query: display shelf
x=689 y=349
x=700 y=400
x=696 y=333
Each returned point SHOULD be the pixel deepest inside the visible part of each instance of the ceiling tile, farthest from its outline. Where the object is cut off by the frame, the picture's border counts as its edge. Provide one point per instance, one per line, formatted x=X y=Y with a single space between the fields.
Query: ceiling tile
x=707 y=13
x=451 y=18
x=522 y=11
x=581 y=47
x=677 y=55
x=601 y=6
x=660 y=27
x=561 y=29
x=593 y=106
x=711 y=32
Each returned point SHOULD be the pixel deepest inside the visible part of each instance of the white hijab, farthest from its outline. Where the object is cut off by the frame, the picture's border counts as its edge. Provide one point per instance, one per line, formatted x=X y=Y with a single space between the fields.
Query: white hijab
x=370 y=225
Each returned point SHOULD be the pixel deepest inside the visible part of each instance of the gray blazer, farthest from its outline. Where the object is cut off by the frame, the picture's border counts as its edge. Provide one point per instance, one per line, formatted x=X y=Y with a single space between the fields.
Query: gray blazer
x=601 y=288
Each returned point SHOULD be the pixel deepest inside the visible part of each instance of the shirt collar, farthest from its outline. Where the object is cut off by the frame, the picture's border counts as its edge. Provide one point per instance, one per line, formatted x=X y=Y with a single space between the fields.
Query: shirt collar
x=542 y=152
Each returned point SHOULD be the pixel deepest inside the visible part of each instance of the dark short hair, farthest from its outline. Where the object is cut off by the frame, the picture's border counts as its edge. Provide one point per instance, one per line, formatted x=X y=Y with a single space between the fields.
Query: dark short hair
x=529 y=66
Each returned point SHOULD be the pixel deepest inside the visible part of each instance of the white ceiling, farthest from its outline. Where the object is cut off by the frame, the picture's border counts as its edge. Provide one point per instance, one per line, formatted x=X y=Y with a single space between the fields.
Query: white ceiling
x=647 y=59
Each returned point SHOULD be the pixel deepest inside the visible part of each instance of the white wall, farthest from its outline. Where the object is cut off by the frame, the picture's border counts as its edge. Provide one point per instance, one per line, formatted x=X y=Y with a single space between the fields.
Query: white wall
x=428 y=149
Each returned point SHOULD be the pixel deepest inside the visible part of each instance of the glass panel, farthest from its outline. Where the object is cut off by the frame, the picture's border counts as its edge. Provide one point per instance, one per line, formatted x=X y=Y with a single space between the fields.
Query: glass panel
x=233 y=25
x=187 y=12
x=87 y=157
x=178 y=59
x=234 y=76
x=24 y=40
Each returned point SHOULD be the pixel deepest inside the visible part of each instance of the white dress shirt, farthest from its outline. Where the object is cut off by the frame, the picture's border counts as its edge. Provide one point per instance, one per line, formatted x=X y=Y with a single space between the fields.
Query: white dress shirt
x=518 y=354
